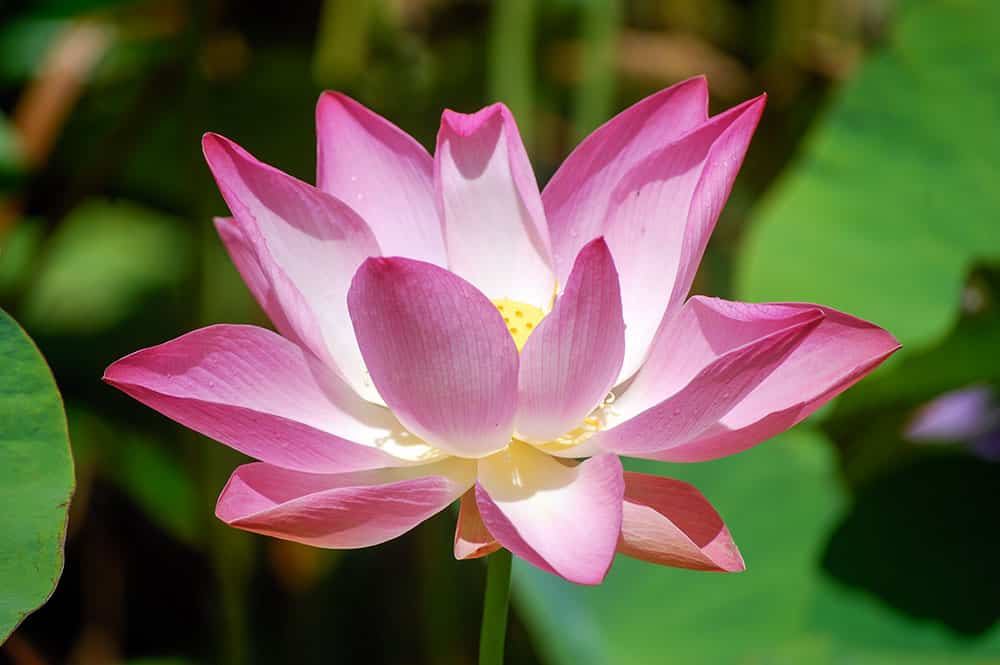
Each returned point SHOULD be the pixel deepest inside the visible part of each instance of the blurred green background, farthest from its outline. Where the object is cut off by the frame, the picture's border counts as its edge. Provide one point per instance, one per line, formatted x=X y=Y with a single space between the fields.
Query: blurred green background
x=871 y=186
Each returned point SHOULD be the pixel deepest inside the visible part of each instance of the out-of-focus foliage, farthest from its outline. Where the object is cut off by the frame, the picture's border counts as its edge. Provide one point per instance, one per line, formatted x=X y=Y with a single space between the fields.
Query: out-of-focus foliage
x=19 y=250
x=779 y=500
x=782 y=503
x=141 y=467
x=21 y=42
x=10 y=155
x=102 y=263
x=862 y=547
x=36 y=477
x=895 y=197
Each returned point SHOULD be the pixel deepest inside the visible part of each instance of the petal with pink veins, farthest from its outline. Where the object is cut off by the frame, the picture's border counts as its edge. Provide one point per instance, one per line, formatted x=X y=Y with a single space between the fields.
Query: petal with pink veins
x=571 y=360
x=308 y=245
x=711 y=393
x=661 y=215
x=266 y=290
x=382 y=173
x=563 y=518
x=472 y=539
x=494 y=225
x=703 y=330
x=439 y=353
x=342 y=510
x=835 y=355
x=259 y=393
x=274 y=291
x=671 y=523
x=577 y=197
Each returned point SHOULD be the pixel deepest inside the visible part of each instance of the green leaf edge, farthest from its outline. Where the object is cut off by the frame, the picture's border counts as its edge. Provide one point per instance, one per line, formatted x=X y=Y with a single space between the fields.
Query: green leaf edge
x=24 y=614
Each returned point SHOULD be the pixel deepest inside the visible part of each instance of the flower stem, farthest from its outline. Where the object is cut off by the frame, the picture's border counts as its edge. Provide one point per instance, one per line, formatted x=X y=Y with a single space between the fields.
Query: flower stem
x=494 y=630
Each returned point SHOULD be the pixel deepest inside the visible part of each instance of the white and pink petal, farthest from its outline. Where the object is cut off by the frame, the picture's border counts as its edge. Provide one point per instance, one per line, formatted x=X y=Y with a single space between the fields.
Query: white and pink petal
x=259 y=393
x=265 y=284
x=472 y=539
x=439 y=353
x=564 y=518
x=344 y=510
x=670 y=523
x=700 y=333
x=835 y=355
x=711 y=393
x=572 y=359
x=308 y=246
x=382 y=173
x=661 y=214
x=491 y=212
x=578 y=196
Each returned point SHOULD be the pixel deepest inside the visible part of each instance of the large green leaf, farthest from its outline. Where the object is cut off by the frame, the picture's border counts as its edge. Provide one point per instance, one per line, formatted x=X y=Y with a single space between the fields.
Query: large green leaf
x=781 y=501
x=36 y=477
x=895 y=196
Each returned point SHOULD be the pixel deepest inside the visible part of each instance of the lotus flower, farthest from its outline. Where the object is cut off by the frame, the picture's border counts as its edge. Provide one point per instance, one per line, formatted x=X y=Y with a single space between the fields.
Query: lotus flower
x=445 y=333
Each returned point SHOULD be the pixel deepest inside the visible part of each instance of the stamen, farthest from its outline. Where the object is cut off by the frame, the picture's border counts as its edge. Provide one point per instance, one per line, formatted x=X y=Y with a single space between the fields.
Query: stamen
x=526 y=318
x=590 y=426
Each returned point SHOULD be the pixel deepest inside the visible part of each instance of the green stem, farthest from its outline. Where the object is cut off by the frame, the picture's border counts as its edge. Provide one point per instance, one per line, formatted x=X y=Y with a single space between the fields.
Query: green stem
x=494 y=630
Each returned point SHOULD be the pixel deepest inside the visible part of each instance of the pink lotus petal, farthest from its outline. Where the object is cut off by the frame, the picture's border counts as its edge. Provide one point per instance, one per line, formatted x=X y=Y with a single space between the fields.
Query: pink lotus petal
x=308 y=245
x=344 y=510
x=703 y=330
x=630 y=215
x=280 y=299
x=710 y=394
x=577 y=197
x=494 y=225
x=835 y=355
x=564 y=519
x=671 y=523
x=261 y=394
x=439 y=353
x=571 y=360
x=472 y=539
x=383 y=174
x=269 y=286
x=661 y=215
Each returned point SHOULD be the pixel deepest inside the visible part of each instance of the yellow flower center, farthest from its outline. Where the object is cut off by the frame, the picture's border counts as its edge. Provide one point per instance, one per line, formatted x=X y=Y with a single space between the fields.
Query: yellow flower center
x=591 y=425
x=521 y=319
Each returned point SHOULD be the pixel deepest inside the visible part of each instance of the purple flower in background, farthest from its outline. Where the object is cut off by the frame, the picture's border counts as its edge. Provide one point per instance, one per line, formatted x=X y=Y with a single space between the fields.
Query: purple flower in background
x=969 y=415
